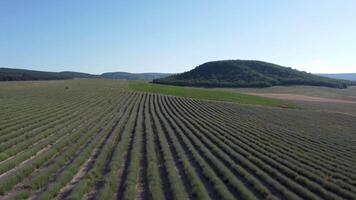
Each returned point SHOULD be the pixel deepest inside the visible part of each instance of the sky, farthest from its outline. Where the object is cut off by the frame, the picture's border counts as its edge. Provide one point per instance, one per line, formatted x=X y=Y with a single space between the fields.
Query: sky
x=317 y=36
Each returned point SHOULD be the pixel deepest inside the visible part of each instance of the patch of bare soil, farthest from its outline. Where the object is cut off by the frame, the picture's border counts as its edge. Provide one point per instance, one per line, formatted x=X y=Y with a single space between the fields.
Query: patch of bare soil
x=139 y=188
x=298 y=97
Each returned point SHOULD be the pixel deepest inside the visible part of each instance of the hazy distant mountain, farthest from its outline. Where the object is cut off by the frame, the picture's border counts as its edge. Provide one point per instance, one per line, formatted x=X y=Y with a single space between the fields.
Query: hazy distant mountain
x=247 y=73
x=346 y=76
x=79 y=74
x=9 y=74
x=134 y=76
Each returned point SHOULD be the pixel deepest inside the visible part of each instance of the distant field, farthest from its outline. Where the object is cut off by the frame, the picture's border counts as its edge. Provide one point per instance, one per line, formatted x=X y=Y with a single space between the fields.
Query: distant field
x=207 y=94
x=317 y=98
x=98 y=139
x=324 y=92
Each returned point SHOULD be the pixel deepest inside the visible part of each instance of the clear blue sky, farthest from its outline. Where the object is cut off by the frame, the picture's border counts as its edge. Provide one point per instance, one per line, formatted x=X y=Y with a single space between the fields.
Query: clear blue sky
x=175 y=36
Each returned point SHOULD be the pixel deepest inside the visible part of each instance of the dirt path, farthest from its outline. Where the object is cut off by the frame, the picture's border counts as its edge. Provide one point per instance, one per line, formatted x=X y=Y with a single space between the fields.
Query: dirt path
x=298 y=97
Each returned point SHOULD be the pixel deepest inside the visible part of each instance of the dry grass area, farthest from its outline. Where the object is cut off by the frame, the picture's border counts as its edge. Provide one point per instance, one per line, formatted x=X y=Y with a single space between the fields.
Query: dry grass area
x=299 y=97
x=321 y=99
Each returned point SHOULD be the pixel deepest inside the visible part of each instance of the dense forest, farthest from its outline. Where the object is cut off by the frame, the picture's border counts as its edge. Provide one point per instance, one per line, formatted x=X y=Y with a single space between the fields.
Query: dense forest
x=8 y=74
x=248 y=73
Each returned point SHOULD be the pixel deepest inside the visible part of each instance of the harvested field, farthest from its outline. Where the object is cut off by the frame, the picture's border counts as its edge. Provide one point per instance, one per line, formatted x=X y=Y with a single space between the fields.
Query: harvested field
x=298 y=97
x=96 y=139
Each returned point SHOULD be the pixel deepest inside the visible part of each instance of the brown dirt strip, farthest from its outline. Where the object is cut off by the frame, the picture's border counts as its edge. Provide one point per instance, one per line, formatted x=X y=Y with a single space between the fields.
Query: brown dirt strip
x=298 y=97
x=77 y=177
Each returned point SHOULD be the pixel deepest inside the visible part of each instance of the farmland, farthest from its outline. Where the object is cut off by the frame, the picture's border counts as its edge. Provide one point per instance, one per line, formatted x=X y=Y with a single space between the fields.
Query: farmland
x=98 y=139
x=207 y=94
x=315 y=98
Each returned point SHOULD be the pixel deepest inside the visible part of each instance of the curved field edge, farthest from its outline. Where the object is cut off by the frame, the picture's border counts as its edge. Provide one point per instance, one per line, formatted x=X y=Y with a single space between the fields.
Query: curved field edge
x=207 y=94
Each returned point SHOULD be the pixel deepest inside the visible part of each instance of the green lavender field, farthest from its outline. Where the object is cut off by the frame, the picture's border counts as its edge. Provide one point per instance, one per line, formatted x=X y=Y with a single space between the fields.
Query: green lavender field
x=107 y=139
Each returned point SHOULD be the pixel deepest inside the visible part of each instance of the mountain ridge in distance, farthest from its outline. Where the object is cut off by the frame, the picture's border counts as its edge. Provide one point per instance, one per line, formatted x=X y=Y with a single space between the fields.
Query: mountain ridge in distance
x=345 y=76
x=134 y=76
x=220 y=76
x=14 y=74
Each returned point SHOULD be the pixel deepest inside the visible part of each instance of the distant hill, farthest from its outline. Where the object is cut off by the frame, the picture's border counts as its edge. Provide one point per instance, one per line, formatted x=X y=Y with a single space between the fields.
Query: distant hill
x=79 y=74
x=247 y=73
x=9 y=74
x=346 y=76
x=134 y=76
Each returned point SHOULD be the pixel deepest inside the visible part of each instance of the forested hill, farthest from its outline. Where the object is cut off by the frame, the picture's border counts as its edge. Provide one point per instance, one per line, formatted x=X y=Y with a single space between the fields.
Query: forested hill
x=9 y=74
x=247 y=73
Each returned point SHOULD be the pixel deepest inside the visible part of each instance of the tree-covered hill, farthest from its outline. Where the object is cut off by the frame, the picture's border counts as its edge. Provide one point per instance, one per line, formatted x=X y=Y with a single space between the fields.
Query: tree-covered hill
x=9 y=74
x=247 y=73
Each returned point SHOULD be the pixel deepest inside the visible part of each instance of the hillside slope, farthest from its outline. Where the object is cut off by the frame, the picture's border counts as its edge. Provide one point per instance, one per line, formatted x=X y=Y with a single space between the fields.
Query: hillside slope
x=246 y=73
x=9 y=74
x=134 y=76
x=345 y=76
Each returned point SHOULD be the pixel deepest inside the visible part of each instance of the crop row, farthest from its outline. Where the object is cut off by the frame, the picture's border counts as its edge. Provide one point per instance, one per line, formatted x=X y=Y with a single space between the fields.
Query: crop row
x=110 y=143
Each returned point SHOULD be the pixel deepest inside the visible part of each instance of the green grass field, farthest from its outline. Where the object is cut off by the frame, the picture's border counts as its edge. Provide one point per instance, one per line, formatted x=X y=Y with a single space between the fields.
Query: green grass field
x=208 y=94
